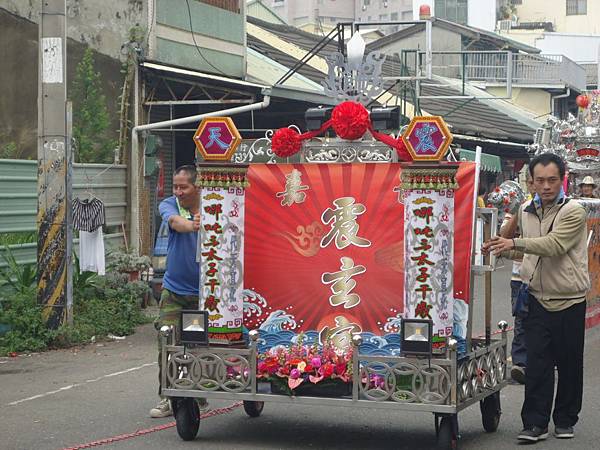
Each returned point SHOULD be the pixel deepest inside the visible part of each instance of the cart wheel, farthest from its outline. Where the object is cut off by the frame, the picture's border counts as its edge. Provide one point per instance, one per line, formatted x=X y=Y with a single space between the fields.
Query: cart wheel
x=447 y=436
x=253 y=409
x=490 y=412
x=187 y=417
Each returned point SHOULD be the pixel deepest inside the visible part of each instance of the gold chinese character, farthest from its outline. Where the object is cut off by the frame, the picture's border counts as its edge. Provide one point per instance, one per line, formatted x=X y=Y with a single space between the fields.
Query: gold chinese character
x=344 y=227
x=343 y=283
x=293 y=189
x=340 y=335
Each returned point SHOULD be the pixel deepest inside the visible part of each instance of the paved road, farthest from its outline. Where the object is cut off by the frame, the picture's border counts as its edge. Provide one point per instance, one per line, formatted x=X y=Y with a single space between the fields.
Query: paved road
x=67 y=398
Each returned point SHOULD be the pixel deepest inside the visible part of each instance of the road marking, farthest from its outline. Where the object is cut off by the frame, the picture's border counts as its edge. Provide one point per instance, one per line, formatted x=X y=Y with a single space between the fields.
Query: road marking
x=71 y=386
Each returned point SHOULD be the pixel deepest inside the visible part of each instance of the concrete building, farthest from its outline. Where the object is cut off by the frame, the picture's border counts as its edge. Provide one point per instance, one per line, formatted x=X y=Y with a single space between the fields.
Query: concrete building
x=383 y=10
x=103 y=26
x=564 y=27
x=314 y=15
x=320 y=16
x=566 y=16
x=475 y=13
x=541 y=85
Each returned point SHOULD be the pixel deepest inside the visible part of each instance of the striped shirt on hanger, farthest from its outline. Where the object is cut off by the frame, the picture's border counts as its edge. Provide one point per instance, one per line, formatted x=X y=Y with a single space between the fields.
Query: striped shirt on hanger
x=88 y=215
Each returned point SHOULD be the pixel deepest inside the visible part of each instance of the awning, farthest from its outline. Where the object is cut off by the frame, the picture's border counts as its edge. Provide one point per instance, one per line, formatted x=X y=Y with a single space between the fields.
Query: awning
x=489 y=163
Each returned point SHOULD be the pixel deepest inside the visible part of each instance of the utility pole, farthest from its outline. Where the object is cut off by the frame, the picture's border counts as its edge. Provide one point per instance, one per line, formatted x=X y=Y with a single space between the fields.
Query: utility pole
x=54 y=167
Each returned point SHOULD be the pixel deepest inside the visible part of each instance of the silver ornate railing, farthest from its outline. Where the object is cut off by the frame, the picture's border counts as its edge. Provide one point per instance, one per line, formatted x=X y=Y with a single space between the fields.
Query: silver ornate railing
x=446 y=381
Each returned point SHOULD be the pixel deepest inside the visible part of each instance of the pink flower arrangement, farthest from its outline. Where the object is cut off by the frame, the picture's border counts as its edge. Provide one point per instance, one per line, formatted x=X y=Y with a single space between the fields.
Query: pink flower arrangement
x=305 y=363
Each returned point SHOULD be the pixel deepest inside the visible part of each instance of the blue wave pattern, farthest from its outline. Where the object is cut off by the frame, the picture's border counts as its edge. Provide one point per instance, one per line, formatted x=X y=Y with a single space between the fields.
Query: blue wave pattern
x=373 y=345
x=386 y=345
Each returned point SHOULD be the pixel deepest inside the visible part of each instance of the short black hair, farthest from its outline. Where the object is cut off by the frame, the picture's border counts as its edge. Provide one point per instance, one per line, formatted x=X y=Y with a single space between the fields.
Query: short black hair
x=190 y=170
x=546 y=158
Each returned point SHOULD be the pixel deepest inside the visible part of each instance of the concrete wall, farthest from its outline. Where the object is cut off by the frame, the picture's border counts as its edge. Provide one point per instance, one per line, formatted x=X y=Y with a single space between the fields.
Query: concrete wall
x=219 y=34
x=580 y=48
x=260 y=10
x=19 y=82
x=555 y=11
x=442 y=40
x=376 y=9
x=100 y=24
x=306 y=11
x=537 y=101
x=482 y=14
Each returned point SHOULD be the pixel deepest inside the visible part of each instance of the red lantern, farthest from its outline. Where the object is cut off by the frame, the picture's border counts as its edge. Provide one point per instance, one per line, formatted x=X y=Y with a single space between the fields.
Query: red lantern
x=582 y=101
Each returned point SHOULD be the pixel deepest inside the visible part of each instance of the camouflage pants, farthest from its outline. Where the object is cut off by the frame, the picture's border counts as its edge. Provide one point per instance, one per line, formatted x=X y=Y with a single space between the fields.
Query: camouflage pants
x=170 y=307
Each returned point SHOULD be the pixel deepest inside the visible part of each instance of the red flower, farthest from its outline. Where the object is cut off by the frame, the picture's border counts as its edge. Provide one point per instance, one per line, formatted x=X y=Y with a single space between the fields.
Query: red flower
x=350 y=120
x=340 y=368
x=326 y=370
x=286 y=142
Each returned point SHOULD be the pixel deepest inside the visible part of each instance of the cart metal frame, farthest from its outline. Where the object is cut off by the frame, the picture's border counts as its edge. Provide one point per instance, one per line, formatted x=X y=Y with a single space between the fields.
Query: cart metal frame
x=440 y=385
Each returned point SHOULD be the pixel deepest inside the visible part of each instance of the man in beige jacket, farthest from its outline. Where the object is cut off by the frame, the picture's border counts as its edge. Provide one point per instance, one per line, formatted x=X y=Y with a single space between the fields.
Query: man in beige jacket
x=555 y=267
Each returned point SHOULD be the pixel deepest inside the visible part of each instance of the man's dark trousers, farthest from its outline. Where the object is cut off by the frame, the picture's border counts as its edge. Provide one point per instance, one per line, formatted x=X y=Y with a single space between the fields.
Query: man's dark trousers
x=519 y=349
x=553 y=339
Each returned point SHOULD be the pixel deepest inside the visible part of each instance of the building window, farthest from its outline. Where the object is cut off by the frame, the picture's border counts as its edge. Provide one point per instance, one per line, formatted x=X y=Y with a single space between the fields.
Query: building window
x=394 y=17
x=452 y=10
x=516 y=2
x=576 y=7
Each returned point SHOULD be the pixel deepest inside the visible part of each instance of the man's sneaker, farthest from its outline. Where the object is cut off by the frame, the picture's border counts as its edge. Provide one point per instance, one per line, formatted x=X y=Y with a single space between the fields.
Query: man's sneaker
x=203 y=405
x=163 y=409
x=533 y=434
x=564 y=432
x=517 y=373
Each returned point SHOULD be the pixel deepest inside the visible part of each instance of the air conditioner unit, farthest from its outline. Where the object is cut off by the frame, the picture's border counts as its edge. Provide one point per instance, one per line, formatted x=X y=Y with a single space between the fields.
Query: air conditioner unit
x=504 y=25
x=542 y=136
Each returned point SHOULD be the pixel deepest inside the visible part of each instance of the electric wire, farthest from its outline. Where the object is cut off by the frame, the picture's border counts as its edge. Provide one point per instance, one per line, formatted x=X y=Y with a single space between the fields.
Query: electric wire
x=187 y=2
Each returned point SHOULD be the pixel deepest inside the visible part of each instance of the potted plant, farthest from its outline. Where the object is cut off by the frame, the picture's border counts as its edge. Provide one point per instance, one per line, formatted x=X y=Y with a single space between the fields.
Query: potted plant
x=129 y=263
x=307 y=369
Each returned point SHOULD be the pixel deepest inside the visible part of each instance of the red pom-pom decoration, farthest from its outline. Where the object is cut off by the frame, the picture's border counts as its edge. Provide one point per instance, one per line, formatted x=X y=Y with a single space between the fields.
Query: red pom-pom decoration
x=286 y=142
x=350 y=120
x=582 y=101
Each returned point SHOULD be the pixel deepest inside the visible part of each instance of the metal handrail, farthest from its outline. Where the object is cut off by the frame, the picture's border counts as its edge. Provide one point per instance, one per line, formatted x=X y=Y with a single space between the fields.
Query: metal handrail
x=498 y=67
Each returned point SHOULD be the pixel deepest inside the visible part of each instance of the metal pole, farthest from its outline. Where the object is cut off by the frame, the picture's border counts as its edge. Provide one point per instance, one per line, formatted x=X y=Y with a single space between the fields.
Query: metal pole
x=487 y=234
x=509 y=74
x=471 y=273
x=429 y=48
x=69 y=212
x=54 y=188
x=598 y=68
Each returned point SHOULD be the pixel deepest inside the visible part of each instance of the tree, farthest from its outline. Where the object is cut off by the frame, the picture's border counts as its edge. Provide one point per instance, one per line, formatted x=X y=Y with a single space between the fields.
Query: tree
x=90 y=115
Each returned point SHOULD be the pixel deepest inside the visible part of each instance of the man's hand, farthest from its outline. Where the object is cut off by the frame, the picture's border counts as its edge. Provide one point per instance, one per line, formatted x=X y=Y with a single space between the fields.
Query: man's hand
x=497 y=245
x=196 y=222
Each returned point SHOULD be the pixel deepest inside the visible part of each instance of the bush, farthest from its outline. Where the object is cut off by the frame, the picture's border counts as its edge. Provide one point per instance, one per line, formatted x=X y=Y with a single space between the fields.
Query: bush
x=99 y=317
x=101 y=306
x=28 y=331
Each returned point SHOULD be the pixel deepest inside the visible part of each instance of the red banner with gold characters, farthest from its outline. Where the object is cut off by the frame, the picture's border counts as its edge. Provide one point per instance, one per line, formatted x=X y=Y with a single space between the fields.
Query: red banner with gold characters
x=324 y=247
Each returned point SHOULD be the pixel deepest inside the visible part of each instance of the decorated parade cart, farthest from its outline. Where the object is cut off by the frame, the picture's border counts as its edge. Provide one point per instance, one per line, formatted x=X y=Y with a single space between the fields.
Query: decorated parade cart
x=345 y=279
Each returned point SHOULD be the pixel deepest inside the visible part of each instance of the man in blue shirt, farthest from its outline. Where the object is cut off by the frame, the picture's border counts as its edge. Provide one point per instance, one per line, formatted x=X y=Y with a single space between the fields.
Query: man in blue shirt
x=182 y=277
